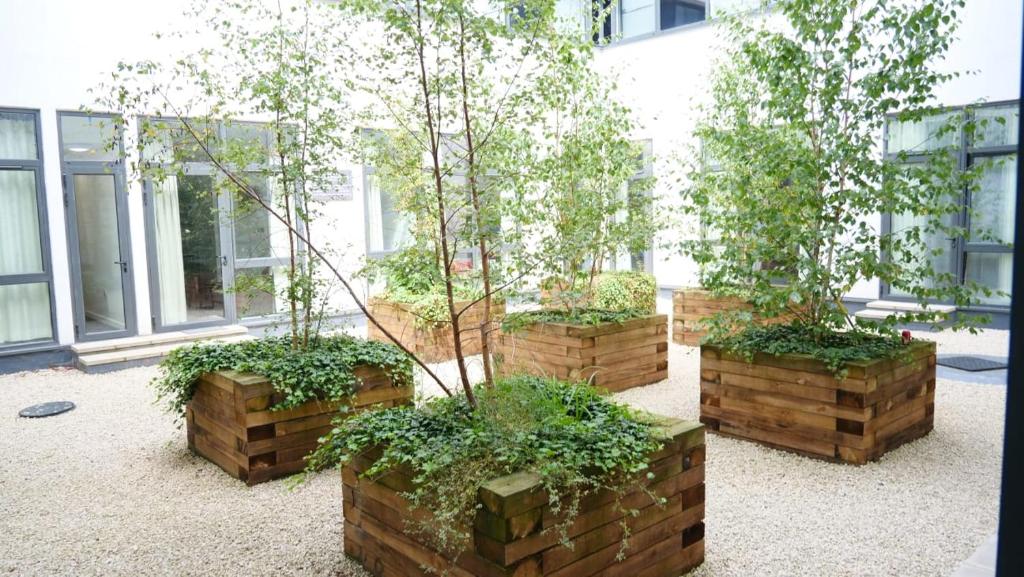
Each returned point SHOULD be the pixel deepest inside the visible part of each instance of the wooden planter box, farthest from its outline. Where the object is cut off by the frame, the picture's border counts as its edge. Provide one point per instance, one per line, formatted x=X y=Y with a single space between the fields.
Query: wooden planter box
x=615 y=356
x=509 y=537
x=691 y=307
x=794 y=402
x=229 y=422
x=431 y=344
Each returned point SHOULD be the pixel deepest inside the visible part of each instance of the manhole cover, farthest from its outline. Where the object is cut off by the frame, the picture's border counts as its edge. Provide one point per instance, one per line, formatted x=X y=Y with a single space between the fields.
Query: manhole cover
x=973 y=364
x=46 y=409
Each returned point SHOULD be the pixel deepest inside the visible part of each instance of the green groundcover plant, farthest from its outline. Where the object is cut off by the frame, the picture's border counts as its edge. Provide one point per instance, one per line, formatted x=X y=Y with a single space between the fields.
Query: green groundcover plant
x=323 y=371
x=514 y=322
x=835 y=349
x=576 y=440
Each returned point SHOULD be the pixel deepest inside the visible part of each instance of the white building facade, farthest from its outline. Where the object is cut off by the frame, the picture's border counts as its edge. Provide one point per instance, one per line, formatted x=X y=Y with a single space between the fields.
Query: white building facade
x=87 y=253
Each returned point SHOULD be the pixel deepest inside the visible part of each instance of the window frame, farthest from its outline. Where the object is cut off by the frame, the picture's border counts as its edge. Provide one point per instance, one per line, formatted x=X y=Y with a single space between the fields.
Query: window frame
x=967 y=155
x=46 y=275
x=231 y=264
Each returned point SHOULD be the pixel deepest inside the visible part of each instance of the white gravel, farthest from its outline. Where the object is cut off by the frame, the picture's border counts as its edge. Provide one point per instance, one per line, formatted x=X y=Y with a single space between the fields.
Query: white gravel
x=110 y=489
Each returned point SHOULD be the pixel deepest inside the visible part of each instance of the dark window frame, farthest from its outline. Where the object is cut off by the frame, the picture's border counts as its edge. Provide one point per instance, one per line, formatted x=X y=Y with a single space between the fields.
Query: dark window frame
x=967 y=155
x=46 y=275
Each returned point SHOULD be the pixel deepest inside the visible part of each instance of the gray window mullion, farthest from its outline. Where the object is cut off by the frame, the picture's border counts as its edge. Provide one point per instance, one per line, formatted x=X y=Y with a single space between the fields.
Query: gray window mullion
x=29 y=278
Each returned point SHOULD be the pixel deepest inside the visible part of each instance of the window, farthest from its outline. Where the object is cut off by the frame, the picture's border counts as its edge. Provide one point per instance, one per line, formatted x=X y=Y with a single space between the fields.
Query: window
x=636 y=17
x=387 y=228
x=627 y=19
x=681 y=12
x=26 y=317
x=217 y=254
x=982 y=257
x=640 y=207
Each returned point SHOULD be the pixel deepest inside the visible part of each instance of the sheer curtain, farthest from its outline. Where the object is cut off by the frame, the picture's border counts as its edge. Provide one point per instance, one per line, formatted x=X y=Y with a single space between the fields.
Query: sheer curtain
x=24 y=308
x=374 y=220
x=170 y=263
x=17 y=136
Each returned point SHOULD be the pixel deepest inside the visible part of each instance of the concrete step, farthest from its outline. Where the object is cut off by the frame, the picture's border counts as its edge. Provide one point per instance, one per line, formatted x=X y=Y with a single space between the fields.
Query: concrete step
x=910 y=307
x=157 y=339
x=124 y=358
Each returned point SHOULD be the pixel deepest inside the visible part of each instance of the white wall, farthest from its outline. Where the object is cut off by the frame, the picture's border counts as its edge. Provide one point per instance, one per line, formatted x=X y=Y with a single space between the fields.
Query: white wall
x=55 y=52
x=664 y=78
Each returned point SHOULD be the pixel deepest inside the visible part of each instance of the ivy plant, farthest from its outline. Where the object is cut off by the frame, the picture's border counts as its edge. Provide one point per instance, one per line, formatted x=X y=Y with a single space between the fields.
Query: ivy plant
x=577 y=441
x=322 y=372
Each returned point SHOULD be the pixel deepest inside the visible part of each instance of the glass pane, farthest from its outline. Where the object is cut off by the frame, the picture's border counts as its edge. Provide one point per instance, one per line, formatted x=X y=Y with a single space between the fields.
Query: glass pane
x=18 y=136
x=256 y=291
x=170 y=141
x=99 y=252
x=25 y=313
x=257 y=235
x=187 y=230
x=88 y=138
x=993 y=270
x=388 y=228
x=924 y=135
x=246 y=144
x=994 y=201
x=637 y=17
x=997 y=126
x=20 y=248
x=681 y=12
x=935 y=241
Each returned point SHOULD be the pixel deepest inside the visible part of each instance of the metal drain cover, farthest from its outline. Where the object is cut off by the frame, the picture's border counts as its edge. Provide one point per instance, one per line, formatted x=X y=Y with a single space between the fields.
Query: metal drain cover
x=46 y=409
x=973 y=364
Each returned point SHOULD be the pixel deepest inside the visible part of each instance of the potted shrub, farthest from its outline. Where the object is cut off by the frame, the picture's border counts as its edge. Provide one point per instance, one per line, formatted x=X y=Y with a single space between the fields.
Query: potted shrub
x=615 y=350
x=538 y=478
x=615 y=341
x=412 y=306
x=257 y=408
x=793 y=183
x=694 y=309
x=550 y=462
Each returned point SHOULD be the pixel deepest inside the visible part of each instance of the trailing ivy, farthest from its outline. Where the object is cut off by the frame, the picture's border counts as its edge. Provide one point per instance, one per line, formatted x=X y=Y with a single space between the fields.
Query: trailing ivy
x=513 y=322
x=577 y=441
x=324 y=371
x=835 y=349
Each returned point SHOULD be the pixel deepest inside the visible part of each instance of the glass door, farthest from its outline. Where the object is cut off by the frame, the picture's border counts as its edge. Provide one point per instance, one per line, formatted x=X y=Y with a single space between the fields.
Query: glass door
x=189 y=244
x=97 y=221
x=100 y=255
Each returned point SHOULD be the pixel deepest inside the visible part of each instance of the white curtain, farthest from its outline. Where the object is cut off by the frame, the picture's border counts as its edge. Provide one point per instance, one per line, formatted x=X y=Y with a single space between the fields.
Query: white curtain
x=170 y=263
x=374 y=222
x=17 y=136
x=24 y=308
x=922 y=136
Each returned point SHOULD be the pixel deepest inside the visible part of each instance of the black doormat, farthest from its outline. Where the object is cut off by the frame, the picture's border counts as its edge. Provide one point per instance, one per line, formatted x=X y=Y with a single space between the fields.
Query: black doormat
x=973 y=364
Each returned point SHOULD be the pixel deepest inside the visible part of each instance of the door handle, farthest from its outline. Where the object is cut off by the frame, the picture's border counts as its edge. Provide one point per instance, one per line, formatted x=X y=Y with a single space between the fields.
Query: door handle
x=124 y=265
x=223 y=261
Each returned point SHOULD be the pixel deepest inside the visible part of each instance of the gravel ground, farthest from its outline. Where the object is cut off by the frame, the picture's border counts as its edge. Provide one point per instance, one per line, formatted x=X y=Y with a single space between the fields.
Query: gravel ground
x=110 y=489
